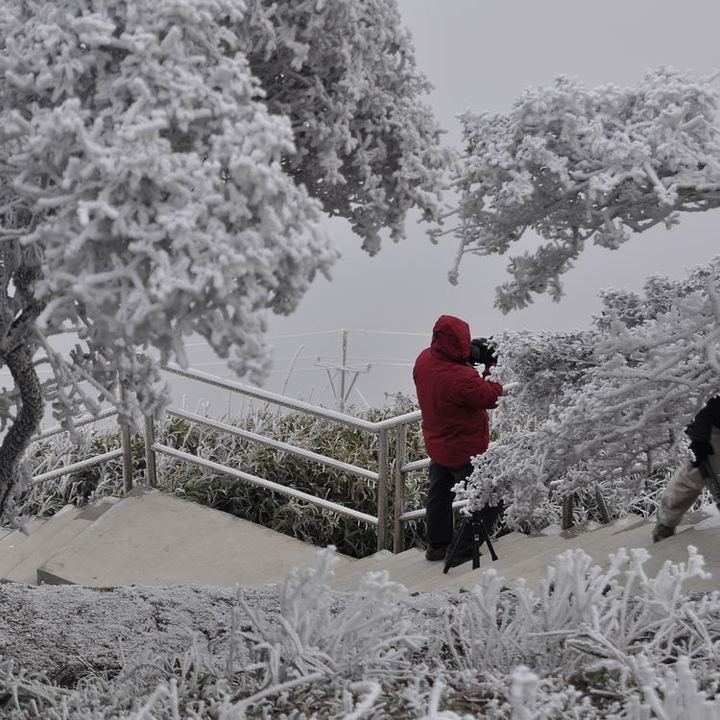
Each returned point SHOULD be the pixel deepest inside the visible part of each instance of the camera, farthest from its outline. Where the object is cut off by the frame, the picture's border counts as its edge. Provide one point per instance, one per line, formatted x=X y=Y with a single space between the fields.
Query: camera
x=482 y=352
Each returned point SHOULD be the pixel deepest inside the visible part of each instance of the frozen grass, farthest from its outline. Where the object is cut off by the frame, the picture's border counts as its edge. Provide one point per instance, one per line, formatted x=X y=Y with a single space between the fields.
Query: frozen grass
x=592 y=643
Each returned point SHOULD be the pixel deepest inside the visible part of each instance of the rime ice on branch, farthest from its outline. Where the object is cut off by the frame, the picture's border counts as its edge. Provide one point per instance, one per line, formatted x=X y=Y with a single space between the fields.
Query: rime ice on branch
x=575 y=164
x=344 y=73
x=608 y=403
x=164 y=165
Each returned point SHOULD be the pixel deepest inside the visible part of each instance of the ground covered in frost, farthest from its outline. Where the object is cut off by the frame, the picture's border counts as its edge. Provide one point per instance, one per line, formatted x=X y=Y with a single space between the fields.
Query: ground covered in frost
x=591 y=643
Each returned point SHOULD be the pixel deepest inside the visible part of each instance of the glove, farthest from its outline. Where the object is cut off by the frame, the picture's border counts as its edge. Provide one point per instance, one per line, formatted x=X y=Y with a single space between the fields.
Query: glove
x=701 y=449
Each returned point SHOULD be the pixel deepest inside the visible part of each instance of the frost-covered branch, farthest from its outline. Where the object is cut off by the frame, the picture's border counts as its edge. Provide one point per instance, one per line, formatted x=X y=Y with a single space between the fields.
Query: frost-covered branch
x=605 y=404
x=575 y=164
x=344 y=72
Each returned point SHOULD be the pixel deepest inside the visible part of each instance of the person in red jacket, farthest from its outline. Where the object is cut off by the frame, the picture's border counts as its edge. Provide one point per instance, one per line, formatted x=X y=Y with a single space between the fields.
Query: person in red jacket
x=454 y=399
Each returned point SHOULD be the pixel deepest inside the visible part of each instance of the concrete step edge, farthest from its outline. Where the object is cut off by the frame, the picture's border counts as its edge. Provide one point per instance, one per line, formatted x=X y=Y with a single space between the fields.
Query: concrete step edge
x=39 y=535
x=14 y=537
x=357 y=569
x=60 y=529
x=513 y=567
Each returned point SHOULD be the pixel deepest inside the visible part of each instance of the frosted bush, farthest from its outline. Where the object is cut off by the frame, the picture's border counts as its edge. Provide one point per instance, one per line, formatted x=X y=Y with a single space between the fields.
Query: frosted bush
x=577 y=164
x=591 y=644
x=605 y=405
x=369 y=637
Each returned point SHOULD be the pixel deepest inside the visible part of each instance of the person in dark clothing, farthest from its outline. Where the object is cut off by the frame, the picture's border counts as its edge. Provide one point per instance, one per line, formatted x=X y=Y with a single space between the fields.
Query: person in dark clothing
x=454 y=399
x=687 y=483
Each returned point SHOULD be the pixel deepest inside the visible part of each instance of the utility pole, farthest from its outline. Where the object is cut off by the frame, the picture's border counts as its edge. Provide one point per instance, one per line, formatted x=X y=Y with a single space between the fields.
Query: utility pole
x=343 y=364
x=344 y=370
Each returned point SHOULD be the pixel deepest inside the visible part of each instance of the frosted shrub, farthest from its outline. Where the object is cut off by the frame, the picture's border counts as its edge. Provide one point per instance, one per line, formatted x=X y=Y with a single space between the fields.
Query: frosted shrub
x=592 y=644
x=369 y=637
x=587 y=623
x=671 y=693
x=578 y=165
x=607 y=405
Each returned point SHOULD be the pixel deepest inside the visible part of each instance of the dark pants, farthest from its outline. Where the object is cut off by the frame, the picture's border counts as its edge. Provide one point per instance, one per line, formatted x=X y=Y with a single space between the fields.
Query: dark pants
x=438 y=506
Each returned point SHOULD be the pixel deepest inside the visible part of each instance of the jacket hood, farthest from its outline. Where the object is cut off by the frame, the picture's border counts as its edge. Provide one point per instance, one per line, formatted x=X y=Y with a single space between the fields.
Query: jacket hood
x=451 y=338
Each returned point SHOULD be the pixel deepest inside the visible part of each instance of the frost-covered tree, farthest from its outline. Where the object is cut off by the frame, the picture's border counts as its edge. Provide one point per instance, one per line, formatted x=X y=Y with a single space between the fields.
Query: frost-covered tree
x=578 y=165
x=608 y=403
x=163 y=169
x=344 y=73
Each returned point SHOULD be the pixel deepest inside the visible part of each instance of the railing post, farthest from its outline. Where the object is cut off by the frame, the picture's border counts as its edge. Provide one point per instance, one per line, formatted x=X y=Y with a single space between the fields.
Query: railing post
x=125 y=440
x=602 y=505
x=382 y=488
x=150 y=460
x=126 y=453
x=399 y=499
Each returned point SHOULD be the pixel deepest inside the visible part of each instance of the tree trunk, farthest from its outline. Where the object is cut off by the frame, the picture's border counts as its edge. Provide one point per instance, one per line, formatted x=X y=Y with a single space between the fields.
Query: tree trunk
x=18 y=437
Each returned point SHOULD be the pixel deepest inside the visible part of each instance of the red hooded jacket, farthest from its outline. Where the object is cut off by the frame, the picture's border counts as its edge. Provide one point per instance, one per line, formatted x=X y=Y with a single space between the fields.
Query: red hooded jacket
x=453 y=397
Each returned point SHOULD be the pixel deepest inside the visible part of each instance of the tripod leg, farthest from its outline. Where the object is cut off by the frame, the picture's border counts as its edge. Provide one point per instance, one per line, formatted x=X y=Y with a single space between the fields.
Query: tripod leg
x=452 y=548
x=475 y=546
x=481 y=532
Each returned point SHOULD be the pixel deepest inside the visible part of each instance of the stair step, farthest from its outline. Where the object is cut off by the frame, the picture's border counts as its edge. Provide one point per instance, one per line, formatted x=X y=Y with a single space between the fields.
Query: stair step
x=399 y=567
x=21 y=565
x=518 y=547
x=348 y=577
x=360 y=565
x=155 y=538
x=675 y=549
x=595 y=544
x=14 y=538
x=528 y=556
x=36 y=541
x=4 y=532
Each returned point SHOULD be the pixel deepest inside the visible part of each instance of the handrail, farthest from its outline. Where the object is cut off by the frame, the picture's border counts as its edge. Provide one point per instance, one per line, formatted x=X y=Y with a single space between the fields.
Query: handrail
x=415 y=465
x=390 y=423
x=382 y=477
x=271 y=397
x=416 y=514
x=268 y=484
x=382 y=428
x=285 y=447
x=85 y=420
x=293 y=404
x=67 y=469
x=124 y=450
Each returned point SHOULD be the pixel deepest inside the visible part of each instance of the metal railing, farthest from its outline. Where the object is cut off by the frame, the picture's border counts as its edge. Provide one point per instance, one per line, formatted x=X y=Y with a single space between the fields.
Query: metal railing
x=124 y=451
x=380 y=477
x=387 y=471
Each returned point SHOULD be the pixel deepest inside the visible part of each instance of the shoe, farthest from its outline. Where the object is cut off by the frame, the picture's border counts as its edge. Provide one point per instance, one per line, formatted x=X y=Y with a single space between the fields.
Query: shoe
x=435 y=552
x=660 y=532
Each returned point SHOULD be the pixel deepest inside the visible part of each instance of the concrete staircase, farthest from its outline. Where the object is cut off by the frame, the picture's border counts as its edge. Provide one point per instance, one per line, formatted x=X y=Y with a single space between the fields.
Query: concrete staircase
x=153 y=538
x=149 y=538
x=527 y=557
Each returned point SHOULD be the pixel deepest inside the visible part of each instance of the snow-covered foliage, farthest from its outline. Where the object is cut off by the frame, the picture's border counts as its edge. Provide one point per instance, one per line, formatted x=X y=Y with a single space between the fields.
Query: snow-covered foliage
x=608 y=404
x=591 y=643
x=344 y=73
x=575 y=164
x=158 y=162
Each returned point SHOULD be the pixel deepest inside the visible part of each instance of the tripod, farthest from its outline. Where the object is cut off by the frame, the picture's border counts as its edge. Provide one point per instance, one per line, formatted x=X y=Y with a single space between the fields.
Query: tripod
x=479 y=536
